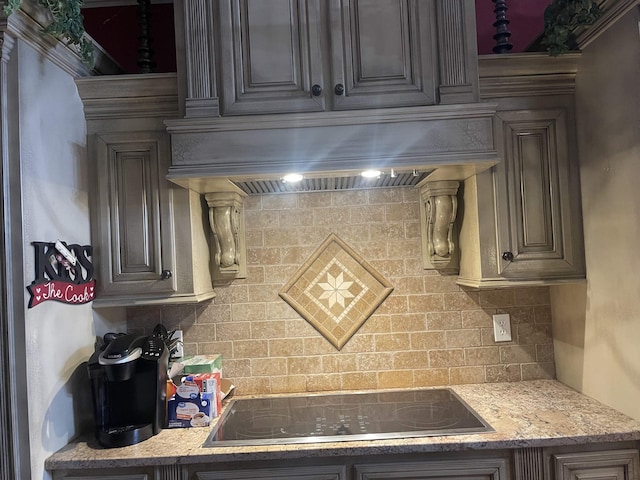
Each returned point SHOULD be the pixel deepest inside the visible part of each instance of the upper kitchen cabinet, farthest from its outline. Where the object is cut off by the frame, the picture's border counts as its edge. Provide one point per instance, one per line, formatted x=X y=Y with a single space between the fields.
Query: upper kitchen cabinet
x=239 y=57
x=150 y=244
x=522 y=219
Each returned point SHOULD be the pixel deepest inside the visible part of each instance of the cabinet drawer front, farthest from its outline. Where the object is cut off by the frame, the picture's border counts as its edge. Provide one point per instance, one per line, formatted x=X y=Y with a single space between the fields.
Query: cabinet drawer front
x=604 y=465
x=271 y=55
x=479 y=469
x=134 y=219
x=325 y=472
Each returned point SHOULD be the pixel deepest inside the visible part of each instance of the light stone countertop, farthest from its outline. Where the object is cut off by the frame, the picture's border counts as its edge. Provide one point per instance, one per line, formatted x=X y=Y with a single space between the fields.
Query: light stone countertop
x=523 y=414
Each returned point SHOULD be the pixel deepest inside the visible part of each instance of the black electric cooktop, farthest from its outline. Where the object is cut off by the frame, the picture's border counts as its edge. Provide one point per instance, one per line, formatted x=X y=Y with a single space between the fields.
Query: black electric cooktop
x=345 y=417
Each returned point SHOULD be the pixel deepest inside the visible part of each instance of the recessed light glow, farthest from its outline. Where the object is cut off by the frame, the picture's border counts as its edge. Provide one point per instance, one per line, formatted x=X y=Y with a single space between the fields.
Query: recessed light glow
x=292 y=177
x=371 y=173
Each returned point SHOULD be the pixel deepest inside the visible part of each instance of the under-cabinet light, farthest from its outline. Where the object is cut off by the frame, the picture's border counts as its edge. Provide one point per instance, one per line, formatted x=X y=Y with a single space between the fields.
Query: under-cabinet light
x=371 y=173
x=292 y=177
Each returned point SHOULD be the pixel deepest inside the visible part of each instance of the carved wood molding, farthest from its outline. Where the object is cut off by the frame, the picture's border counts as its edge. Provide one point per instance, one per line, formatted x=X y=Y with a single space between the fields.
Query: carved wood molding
x=529 y=464
x=226 y=219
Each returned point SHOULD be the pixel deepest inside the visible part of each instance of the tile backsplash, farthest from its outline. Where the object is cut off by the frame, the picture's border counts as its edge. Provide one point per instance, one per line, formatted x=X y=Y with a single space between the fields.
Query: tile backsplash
x=427 y=332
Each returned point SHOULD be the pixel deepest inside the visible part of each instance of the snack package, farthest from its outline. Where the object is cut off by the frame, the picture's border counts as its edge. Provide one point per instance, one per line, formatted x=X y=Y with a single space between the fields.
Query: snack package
x=192 y=407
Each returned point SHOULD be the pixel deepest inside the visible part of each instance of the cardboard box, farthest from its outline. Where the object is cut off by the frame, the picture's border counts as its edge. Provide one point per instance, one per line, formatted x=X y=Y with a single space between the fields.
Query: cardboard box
x=202 y=364
x=191 y=407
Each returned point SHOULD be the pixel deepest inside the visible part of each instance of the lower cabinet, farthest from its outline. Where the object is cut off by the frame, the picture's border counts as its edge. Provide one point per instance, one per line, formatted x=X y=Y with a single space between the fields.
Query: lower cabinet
x=478 y=469
x=318 y=472
x=597 y=465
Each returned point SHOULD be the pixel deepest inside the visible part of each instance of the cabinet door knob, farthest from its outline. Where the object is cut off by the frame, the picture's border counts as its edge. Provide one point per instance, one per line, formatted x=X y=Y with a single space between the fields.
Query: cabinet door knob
x=166 y=274
x=339 y=90
x=508 y=256
x=316 y=90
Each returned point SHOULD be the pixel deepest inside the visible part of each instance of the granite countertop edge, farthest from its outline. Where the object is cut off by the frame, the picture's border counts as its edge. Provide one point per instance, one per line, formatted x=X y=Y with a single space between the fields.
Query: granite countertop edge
x=540 y=413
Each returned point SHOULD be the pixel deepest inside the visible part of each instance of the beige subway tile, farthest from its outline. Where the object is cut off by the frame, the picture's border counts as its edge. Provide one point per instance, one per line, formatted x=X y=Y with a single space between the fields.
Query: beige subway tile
x=408 y=286
x=366 y=214
x=280 y=310
x=389 y=268
x=386 y=195
x=268 y=329
x=410 y=322
x=428 y=340
x=532 y=296
x=391 y=342
x=252 y=202
x=288 y=383
x=482 y=355
x=359 y=380
x=189 y=349
x=461 y=301
x=542 y=314
x=263 y=256
x=299 y=327
x=325 y=382
x=303 y=365
x=465 y=375
x=250 y=348
x=374 y=362
x=331 y=216
x=413 y=359
x=519 y=314
x=278 y=275
x=317 y=345
x=440 y=284
x=532 y=334
x=312 y=200
x=444 y=320
x=231 y=294
x=370 y=250
x=340 y=362
x=500 y=298
x=393 y=304
x=376 y=324
x=412 y=266
x=263 y=293
x=260 y=219
x=412 y=230
x=315 y=235
x=430 y=302
x=395 y=379
x=234 y=368
x=278 y=237
x=517 y=353
x=476 y=319
x=268 y=366
x=487 y=336
x=431 y=377
x=280 y=202
x=254 y=238
x=286 y=347
x=207 y=332
x=503 y=373
x=446 y=358
x=248 y=312
x=294 y=218
x=209 y=312
x=143 y=317
x=255 y=274
x=172 y=316
x=537 y=371
x=360 y=342
x=349 y=197
x=463 y=338
x=224 y=348
x=544 y=353
x=404 y=248
x=402 y=211
x=387 y=231
x=253 y=385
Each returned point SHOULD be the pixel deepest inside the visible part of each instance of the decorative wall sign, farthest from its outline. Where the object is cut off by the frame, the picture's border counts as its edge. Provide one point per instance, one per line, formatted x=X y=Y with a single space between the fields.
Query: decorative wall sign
x=336 y=291
x=64 y=273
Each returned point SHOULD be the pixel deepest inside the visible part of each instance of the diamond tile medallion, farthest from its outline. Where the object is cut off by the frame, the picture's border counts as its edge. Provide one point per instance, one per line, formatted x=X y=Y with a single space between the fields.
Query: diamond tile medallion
x=336 y=291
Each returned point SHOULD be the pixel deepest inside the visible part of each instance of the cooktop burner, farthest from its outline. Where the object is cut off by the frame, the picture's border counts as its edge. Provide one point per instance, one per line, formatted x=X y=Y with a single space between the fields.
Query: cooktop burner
x=345 y=417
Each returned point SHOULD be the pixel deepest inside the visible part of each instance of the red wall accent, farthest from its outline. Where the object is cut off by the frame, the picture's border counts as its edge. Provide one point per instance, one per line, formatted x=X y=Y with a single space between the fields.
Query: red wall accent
x=116 y=29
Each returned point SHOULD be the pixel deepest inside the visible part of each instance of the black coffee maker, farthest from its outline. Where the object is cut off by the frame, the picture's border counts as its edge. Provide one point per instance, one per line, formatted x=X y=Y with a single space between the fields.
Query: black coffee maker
x=128 y=375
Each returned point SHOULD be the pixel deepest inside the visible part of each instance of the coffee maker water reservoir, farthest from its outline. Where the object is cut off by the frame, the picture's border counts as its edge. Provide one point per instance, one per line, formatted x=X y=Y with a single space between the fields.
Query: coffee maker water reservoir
x=129 y=385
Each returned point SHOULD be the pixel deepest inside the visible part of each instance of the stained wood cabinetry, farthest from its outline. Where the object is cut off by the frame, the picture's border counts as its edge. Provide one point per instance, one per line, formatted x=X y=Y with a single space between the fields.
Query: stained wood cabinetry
x=149 y=241
x=255 y=57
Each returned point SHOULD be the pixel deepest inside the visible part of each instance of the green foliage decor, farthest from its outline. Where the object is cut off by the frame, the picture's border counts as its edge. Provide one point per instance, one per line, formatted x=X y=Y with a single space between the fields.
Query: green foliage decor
x=67 y=24
x=561 y=18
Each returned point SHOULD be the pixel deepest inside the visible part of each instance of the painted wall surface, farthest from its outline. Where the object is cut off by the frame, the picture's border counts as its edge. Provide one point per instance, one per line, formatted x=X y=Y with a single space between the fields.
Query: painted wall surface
x=429 y=331
x=59 y=337
x=596 y=328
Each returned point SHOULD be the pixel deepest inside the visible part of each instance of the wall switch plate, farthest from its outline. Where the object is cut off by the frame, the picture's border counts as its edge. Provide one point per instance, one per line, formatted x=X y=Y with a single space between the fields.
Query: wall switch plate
x=502 y=327
x=179 y=352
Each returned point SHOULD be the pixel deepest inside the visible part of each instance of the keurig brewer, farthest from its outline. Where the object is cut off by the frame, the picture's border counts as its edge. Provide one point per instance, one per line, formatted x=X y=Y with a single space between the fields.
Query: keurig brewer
x=129 y=384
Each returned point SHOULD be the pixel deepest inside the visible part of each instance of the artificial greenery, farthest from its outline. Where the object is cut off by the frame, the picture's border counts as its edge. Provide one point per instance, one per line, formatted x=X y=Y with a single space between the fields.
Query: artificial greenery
x=561 y=18
x=67 y=24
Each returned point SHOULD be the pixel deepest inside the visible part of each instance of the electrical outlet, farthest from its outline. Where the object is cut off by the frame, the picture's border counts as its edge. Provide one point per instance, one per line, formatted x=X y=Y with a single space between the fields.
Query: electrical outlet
x=502 y=327
x=179 y=353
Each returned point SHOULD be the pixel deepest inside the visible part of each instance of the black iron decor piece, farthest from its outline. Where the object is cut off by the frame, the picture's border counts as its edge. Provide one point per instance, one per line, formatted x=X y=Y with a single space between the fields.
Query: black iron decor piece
x=145 y=52
x=502 y=31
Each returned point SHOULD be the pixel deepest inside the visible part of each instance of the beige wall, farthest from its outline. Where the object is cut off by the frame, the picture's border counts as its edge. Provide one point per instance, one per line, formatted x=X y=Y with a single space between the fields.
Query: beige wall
x=597 y=326
x=428 y=331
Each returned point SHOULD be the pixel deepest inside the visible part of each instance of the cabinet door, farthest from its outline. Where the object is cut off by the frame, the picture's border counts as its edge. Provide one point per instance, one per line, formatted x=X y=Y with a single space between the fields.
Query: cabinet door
x=319 y=472
x=270 y=56
x=604 y=465
x=133 y=224
x=539 y=228
x=478 y=469
x=382 y=53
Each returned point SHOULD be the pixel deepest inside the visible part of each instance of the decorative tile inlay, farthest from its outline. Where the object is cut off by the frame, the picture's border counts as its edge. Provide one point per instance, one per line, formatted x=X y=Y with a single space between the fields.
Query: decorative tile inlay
x=336 y=290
